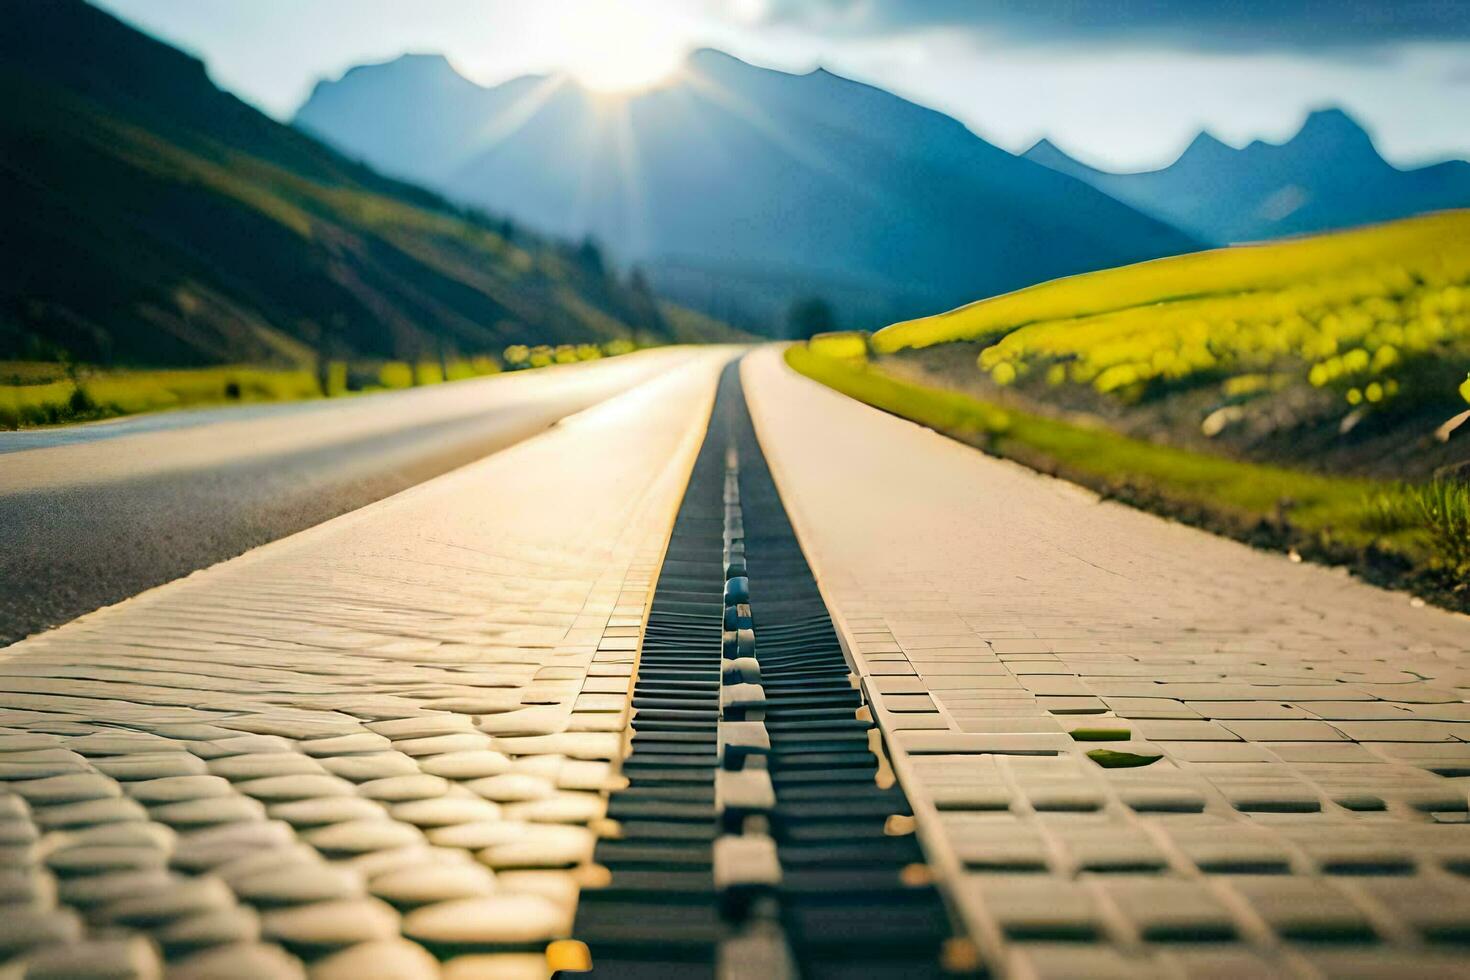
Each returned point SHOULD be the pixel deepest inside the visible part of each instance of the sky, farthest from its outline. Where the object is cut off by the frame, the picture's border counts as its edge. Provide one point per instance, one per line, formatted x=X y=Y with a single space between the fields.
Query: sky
x=1122 y=84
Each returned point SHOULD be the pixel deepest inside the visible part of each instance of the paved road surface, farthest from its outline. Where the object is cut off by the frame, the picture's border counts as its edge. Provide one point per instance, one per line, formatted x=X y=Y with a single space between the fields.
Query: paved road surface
x=1308 y=808
x=397 y=724
x=388 y=742
x=130 y=504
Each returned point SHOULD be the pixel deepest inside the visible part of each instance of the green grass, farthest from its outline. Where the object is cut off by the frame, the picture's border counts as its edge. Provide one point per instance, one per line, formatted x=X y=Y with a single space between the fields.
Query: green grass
x=1441 y=508
x=46 y=393
x=1414 y=536
x=1100 y=734
x=107 y=395
x=1315 y=502
x=1113 y=759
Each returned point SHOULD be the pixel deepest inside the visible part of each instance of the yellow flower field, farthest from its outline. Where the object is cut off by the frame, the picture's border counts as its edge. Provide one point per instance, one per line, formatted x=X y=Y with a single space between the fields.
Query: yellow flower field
x=1352 y=311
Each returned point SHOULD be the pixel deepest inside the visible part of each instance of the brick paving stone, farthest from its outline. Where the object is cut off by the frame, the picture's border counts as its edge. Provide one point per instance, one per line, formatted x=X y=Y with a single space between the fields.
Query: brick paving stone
x=313 y=756
x=1312 y=730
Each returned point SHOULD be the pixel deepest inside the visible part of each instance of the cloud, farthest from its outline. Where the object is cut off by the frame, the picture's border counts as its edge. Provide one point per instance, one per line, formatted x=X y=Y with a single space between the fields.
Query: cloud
x=1247 y=25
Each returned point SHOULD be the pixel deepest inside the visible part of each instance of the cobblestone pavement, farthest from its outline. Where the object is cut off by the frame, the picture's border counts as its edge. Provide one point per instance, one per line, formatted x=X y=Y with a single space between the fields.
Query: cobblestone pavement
x=1295 y=803
x=378 y=748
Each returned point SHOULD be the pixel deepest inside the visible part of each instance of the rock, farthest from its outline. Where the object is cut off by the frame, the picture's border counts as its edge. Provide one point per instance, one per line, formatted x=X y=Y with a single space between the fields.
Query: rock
x=508 y=919
x=327 y=924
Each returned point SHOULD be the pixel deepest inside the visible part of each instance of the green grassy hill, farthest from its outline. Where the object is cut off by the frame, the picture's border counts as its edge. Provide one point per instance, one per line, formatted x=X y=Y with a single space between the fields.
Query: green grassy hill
x=153 y=219
x=1342 y=352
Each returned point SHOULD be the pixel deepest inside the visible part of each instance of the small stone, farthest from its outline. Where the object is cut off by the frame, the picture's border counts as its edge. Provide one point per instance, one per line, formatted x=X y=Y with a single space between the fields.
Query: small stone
x=298 y=884
x=204 y=849
x=508 y=919
x=122 y=743
x=238 y=767
x=178 y=789
x=222 y=748
x=236 y=924
x=96 y=959
x=116 y=810
x=326 y=810
x=375 y=765
x=149 y=765
x=183 y=898
x=395 y=859
x=433 y=883
x=298 y=725
x=101 y=859
x=345 y=744
x=399 y=789
x=739 y=794
x=298 y=787
x=343 y=923
x=94 y=890
x=75 y=788
x=576 y=774
x=445 y=811
x=738 y=699
x=386 y=960
x=239 y=961
x=27 y=888
x=23 y=929
x=18 y=832
x=541 y=846
x=527 y=722
x=29 y=742
x=220 y=809
x=423 y=726
x=466 y=765
x=511 y=787
x=293 y=855
x=746 y=861
x=444 y=744
x=478 y=834
x=560 y=808
x=361 y=836
x=495 y=966
x=134 y=834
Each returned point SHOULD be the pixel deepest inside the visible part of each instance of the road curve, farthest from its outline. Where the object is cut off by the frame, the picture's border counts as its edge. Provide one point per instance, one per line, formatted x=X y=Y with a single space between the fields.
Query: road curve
x=122 y=507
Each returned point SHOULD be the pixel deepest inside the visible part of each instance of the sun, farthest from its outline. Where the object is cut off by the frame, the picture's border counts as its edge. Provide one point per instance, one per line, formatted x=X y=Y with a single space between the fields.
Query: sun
x=615 y=47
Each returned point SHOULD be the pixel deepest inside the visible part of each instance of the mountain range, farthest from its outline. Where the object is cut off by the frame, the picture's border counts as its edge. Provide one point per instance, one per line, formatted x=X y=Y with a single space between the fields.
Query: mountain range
x=740 y=189
x=1329 y=175
x=151 y=218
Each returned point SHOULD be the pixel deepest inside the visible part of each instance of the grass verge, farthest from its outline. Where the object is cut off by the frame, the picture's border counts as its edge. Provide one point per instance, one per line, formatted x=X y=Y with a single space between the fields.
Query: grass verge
x=36 y=393
x=1375 y=528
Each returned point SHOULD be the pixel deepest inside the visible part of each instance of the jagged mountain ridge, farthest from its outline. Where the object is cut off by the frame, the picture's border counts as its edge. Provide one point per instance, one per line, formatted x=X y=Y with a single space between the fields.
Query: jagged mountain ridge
x=743 y=185
x=1328 y=175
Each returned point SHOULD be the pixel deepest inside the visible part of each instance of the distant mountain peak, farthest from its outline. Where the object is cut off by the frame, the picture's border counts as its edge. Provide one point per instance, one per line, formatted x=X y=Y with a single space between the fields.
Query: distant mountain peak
x=1331 y=125
x=415 y=68
x=1048 y=154
x=1206 y=147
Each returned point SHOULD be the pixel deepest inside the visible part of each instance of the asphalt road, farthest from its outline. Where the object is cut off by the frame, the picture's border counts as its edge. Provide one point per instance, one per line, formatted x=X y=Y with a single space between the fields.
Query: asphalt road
x=90 y=515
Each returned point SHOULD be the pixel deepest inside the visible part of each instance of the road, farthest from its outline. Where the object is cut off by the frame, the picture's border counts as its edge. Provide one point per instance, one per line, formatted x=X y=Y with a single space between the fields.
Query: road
x=93 y=514
x=1308 y=733
x=430 y=736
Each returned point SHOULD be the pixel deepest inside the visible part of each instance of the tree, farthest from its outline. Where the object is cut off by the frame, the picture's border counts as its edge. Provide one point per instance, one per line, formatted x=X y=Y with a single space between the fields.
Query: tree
x=589 y=257
x=809 y=316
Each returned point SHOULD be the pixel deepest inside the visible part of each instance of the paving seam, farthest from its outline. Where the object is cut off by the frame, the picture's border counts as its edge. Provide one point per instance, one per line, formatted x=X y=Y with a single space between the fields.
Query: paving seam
x=754 y=836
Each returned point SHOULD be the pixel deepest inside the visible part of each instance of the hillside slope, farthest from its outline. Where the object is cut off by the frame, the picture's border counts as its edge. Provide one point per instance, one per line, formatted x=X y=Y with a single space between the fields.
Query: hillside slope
x=740 y=187
x=1329 y=175
x=1343 y=352
x=153 y=219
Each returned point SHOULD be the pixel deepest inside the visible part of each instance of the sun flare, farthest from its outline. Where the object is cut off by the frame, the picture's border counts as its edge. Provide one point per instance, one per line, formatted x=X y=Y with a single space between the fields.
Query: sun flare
x=615 y=47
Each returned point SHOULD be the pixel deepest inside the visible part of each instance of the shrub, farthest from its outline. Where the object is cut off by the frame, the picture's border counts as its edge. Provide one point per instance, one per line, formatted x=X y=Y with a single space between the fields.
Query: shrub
x=1439 y=509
